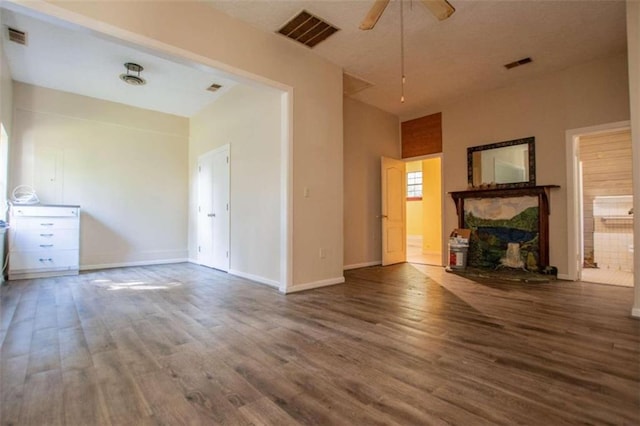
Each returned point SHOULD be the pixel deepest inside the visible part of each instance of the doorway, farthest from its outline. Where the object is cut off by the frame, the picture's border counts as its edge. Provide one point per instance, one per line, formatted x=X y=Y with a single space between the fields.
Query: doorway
x=424 y=211
x=213 y=209
x=607 y=202
x=601 y=215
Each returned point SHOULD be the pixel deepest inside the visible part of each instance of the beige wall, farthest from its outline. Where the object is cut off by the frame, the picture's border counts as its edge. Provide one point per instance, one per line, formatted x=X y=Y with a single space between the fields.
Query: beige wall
x=126 y=167
x=198 y=32
x=369 y=133
x=432 y=205
x=585 y=95
x=249 y=120
x=414 y=207
x=6 y=118
x=633 y=46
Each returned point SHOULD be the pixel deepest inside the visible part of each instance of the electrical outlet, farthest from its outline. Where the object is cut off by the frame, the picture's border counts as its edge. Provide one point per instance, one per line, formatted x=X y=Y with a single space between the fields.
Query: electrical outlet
x=323 y=253
x=306 y=192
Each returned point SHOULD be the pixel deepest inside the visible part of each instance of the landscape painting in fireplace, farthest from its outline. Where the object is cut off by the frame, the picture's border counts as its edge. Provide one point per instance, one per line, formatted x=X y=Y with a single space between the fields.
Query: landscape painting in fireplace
x=496 y=222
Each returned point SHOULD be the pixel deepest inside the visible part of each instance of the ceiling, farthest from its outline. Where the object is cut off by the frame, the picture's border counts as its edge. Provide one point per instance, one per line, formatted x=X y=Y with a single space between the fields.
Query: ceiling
x=447 y=60
x=64 y=58
x=444 y=60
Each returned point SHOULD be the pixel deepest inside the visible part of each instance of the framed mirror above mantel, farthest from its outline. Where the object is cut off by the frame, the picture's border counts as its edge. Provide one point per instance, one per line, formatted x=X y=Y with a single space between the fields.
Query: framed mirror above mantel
x=508 y=164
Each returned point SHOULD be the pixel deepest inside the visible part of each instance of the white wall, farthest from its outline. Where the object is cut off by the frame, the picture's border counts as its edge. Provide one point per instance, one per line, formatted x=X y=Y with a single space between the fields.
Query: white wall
x=126 y=167
x=369 y=133
x=633 y=46
x=198 y=32
x=248 y=119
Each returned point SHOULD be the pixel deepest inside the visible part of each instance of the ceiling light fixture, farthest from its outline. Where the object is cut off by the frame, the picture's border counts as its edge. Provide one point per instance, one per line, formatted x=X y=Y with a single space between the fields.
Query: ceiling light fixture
x=134 y=80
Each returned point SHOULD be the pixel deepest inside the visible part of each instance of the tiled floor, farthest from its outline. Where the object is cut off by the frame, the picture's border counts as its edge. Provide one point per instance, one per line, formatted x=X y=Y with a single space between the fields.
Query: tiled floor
x=415 y=255
x=607 y=276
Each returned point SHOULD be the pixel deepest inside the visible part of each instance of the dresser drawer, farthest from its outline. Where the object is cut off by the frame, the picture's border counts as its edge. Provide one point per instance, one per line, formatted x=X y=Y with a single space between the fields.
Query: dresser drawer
x=44 y=223
x=43 y=260
x=45 y=239
x=45 y=211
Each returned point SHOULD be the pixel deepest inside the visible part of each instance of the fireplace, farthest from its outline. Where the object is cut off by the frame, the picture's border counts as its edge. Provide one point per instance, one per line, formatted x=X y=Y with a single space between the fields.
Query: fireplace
x=509 y=226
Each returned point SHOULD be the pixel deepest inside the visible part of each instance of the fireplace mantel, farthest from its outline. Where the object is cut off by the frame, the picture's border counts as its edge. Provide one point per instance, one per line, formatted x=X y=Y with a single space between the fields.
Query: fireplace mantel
x=543 y=194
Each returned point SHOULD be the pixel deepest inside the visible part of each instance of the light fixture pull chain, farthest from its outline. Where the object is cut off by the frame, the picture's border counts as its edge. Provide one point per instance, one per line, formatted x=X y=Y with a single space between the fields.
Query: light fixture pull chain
x=402 y=50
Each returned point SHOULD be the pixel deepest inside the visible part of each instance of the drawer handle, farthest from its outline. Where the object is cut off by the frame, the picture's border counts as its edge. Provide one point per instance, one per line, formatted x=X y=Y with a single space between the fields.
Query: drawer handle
x=46 y=260
x=46 y=245
x=46 y=224
x=46 y=235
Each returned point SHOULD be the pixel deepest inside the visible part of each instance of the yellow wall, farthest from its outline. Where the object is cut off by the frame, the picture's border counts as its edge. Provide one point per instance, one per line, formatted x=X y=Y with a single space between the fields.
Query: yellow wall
x=414 y=208
x=432 y=206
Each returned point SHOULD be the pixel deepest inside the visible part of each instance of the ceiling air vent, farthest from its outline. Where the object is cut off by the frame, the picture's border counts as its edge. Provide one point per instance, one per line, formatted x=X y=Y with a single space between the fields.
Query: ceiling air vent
x=307 y=29
x=517 y=63
x=214 y=87
x=17 y=36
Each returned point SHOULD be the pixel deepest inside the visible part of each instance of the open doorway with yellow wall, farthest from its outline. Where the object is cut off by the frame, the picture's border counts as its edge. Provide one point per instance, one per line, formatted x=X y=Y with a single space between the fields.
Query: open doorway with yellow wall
x=424 y=211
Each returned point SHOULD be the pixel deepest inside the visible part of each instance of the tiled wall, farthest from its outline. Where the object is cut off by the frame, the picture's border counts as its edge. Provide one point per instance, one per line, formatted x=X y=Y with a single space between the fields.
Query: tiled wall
x=613 y=236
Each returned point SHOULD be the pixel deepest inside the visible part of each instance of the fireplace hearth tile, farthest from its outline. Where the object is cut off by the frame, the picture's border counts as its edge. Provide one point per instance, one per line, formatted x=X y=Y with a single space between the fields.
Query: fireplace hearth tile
x=503 y=275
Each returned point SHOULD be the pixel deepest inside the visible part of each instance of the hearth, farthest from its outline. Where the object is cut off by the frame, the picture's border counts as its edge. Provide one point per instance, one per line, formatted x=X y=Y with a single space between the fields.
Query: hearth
x=509 y=227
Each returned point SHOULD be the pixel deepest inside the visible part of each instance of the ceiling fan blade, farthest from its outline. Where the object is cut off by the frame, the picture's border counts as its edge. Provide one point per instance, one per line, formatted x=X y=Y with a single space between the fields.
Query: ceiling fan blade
x=374 y=14
x=441 y=9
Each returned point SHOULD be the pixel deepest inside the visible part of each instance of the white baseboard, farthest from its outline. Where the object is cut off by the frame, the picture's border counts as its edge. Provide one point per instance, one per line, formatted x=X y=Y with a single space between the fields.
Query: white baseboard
x=126 y=264
x=315 y=284
x=361 y=265
x=256 y=278
x=635 y=313
x=565 y=277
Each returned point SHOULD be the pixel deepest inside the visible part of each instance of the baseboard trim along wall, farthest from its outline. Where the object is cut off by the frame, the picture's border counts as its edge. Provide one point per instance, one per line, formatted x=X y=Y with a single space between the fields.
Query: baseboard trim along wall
x=126 y=264
x=256 y=278
x=362 y=265
x=315 y=284
x=565 y=277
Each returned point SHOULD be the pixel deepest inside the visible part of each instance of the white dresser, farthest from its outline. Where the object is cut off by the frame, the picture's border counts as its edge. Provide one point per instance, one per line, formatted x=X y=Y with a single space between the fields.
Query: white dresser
x=44 y=241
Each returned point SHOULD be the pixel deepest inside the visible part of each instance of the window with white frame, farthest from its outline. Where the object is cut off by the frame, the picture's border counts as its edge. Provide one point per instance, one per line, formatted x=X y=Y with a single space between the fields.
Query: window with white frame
x=414 y=185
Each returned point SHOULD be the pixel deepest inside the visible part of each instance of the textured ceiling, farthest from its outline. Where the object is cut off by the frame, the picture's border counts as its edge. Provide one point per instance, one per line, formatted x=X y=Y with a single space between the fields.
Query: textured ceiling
x=447 y=60
x=63 y=58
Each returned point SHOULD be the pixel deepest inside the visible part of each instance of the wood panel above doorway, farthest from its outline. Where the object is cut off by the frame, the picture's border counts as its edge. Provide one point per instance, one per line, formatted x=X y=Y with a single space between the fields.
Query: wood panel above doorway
x=422 y=136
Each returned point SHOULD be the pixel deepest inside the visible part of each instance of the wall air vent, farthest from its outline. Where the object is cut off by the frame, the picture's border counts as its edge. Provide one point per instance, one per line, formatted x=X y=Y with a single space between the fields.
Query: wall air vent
x=517 y=63
x=307 y=29
x=214 y=87
x=17 y=36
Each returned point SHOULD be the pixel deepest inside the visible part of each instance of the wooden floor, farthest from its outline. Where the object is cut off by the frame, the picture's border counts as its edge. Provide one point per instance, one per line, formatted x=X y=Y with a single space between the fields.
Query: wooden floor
x=410 y=345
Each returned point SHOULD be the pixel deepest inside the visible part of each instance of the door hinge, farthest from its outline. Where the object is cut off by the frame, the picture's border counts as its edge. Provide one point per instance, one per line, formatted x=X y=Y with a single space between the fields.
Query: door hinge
x=227 y=254
x=198 y=249
x=199 y=209
x=199 y=169
x=227 y=160
x=227 y=206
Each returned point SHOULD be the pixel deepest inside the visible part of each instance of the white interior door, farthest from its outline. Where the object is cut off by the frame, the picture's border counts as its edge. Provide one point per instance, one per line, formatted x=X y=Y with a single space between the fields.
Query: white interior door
x=213 y=209
x=394 y=244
